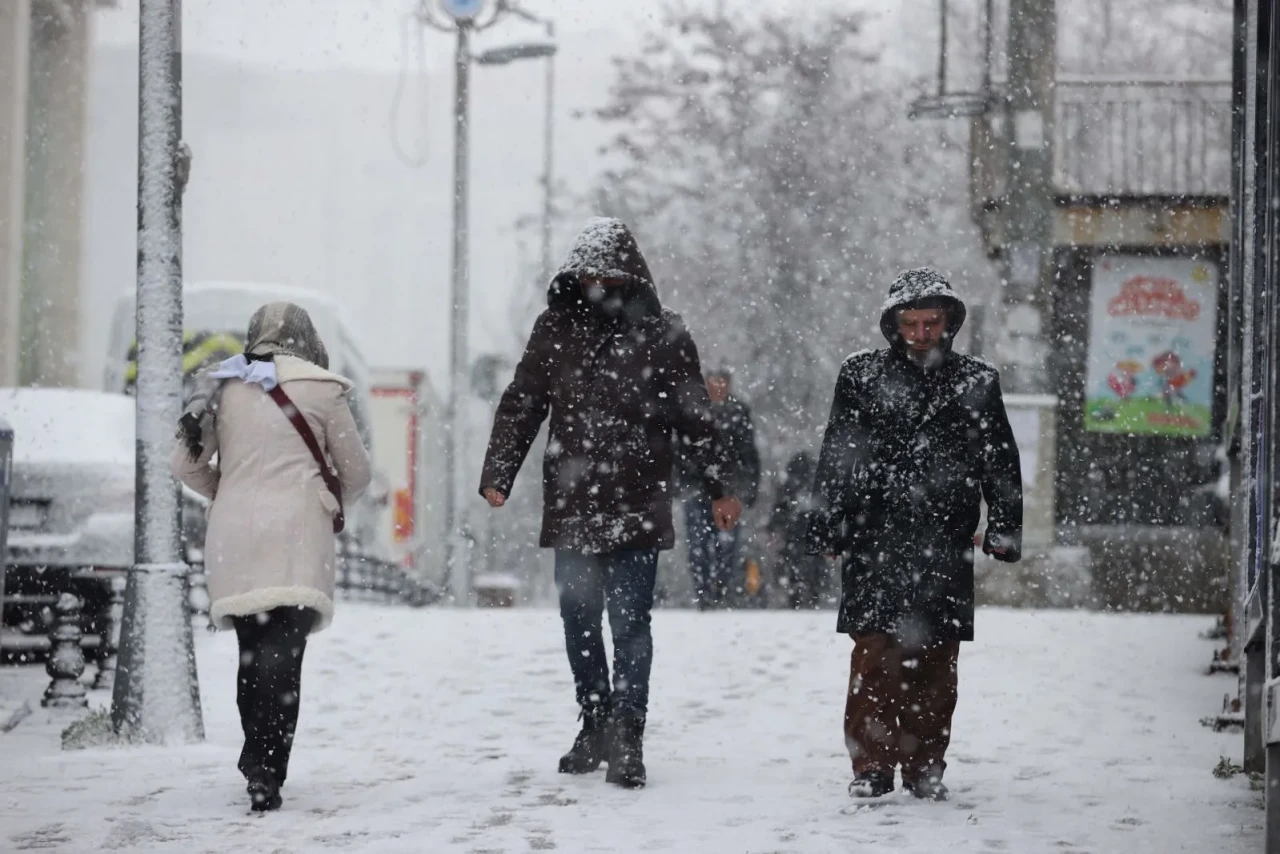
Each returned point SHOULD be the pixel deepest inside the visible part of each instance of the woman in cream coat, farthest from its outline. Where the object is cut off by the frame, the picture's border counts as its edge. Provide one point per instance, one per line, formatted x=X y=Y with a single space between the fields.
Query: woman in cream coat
x=269 y=551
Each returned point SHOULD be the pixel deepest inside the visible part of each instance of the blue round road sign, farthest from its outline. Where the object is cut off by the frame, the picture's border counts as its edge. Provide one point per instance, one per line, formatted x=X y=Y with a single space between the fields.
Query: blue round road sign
x=463 y=10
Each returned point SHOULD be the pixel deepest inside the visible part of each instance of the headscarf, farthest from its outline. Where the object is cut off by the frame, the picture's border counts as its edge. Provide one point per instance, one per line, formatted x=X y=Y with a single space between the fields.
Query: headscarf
x=276 y=329
x=284 y=329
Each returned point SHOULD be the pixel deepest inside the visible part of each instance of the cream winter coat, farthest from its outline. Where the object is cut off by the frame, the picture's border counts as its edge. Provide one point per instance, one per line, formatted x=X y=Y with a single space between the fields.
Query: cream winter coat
x=270 y=540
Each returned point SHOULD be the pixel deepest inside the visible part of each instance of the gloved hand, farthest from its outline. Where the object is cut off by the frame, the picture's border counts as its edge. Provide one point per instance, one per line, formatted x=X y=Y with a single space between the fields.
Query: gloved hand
x=191 y=432
x=1002 y=546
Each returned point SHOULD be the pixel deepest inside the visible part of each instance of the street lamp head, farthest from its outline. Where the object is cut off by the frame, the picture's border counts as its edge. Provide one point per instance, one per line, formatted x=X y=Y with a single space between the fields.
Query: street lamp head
x=463 y=10
x=453 y=16
x=515 y=53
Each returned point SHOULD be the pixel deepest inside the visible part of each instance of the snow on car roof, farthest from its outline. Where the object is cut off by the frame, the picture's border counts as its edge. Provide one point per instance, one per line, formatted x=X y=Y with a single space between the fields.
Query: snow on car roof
x=227 y=306
x=261 y=292
x=63 y=425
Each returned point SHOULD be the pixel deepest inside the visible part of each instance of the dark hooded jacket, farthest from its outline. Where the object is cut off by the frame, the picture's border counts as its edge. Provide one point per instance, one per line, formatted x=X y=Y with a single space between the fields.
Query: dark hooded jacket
x=737 y=434
x=793 y=508
x=908 y=455
x=620 y=377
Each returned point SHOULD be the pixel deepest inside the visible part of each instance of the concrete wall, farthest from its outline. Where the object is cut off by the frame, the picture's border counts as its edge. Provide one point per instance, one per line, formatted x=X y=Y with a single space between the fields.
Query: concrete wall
x=54 y=192
x=43 y=86
x=14 y=34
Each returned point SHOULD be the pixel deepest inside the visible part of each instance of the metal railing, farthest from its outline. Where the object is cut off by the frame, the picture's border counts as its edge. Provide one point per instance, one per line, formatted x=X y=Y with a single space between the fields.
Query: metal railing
x=360 y=577
x=1118 y=138
x=6 y=475
x=1142 y=137
x=363 y=577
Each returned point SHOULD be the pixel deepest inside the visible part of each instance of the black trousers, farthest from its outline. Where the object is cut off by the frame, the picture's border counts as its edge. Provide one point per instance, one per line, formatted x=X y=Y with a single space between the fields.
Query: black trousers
x=269 y=686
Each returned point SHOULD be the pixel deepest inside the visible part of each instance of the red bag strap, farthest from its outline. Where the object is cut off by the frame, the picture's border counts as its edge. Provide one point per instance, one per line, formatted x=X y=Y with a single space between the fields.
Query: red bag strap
x=291 y=411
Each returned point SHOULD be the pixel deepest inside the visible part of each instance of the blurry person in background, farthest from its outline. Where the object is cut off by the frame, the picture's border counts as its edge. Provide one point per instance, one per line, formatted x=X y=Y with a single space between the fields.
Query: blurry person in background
x=803 y=575
x=917 y=439
x=713 y=552
x=268 y=437
x=619 y=376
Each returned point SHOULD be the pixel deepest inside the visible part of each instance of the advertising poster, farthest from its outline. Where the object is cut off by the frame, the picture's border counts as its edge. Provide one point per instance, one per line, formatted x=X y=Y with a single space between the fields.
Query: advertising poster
x=1152 y=334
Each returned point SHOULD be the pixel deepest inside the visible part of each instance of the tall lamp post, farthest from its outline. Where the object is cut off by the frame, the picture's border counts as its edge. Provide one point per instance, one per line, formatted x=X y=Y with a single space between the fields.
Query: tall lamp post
x=156 y=696
x=462 y=18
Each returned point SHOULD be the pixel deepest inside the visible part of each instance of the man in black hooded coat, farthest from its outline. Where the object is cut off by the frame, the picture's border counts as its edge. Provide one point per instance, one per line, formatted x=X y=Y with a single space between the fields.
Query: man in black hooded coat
x=619 y=376
x=917 y=437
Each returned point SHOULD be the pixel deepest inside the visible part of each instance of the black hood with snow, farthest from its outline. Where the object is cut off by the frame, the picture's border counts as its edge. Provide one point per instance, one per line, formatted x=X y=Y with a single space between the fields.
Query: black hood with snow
x=921 y=288
x=606 y=249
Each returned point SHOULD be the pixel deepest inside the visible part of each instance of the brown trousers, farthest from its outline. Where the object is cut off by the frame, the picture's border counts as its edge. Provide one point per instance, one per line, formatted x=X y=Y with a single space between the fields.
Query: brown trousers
x=900 y=706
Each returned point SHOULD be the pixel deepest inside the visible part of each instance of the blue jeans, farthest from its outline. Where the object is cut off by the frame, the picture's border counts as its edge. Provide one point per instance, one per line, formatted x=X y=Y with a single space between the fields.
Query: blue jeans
x=624 y=580
x=713 y=554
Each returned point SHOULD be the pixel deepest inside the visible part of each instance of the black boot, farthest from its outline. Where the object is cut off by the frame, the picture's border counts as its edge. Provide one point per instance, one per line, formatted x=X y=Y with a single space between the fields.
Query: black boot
x=626 y=757
x=873 y=784
x=928 y=787
x=591 y=747
x=264 y=791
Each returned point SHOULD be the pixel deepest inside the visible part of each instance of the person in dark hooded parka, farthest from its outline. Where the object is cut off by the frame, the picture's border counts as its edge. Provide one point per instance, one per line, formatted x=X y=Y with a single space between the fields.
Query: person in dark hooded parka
x=619 y=376
x=917 y=438
x=803 y=574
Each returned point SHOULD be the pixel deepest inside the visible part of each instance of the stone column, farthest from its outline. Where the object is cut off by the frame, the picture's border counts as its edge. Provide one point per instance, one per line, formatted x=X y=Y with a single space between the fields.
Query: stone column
x=15 y=33
x=56 y=118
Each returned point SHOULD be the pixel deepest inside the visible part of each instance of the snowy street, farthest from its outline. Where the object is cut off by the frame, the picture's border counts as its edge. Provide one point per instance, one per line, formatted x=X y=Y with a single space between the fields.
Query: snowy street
x=439 y=730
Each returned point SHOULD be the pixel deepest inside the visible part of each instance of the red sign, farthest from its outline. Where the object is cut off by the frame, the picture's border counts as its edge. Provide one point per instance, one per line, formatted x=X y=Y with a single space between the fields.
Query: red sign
x=1153 y=296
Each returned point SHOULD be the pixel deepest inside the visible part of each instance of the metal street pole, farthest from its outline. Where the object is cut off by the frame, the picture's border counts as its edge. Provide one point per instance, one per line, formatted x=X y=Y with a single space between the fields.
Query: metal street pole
x=455 y=572
x=1030 y=203
x=157 y=696
x=460 y=17
x=548 y=176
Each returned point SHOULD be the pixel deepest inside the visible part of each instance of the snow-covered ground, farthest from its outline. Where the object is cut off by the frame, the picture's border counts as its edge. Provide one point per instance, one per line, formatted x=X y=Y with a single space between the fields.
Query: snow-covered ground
x=438 y=730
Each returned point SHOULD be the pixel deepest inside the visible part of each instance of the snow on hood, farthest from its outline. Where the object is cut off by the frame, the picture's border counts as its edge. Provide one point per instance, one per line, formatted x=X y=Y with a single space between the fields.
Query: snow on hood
x=71 y=426
x=606 y=249
x=913 y=286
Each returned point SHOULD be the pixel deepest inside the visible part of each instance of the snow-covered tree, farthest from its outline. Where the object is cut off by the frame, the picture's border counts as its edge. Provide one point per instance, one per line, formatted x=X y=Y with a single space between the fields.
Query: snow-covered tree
x=776 y=185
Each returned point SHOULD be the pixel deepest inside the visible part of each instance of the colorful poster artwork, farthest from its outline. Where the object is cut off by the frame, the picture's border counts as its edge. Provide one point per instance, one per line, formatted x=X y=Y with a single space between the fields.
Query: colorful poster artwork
x=1152 y=338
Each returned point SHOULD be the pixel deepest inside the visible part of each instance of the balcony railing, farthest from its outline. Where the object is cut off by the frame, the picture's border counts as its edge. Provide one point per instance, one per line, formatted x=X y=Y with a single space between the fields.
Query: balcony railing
x=1142 y=138
x=1122 y=138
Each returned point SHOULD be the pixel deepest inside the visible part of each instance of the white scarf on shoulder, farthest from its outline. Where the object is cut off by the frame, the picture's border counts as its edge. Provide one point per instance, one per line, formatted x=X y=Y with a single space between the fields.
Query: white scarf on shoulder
x=257 y=372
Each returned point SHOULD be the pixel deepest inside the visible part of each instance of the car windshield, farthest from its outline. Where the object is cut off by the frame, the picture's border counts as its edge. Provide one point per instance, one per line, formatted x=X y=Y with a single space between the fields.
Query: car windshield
x=69 y=425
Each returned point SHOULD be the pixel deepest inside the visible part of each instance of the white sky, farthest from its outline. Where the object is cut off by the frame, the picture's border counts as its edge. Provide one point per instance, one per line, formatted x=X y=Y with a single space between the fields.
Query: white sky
x=308 y=34
x=269 y=200
x=273 y=197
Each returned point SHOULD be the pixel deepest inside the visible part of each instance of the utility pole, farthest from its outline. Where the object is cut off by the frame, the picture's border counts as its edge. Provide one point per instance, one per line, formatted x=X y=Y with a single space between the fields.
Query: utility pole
x=157 y=696
x=1029 y=199
x=461 y=303
x=548 y=189
x=462 y=18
